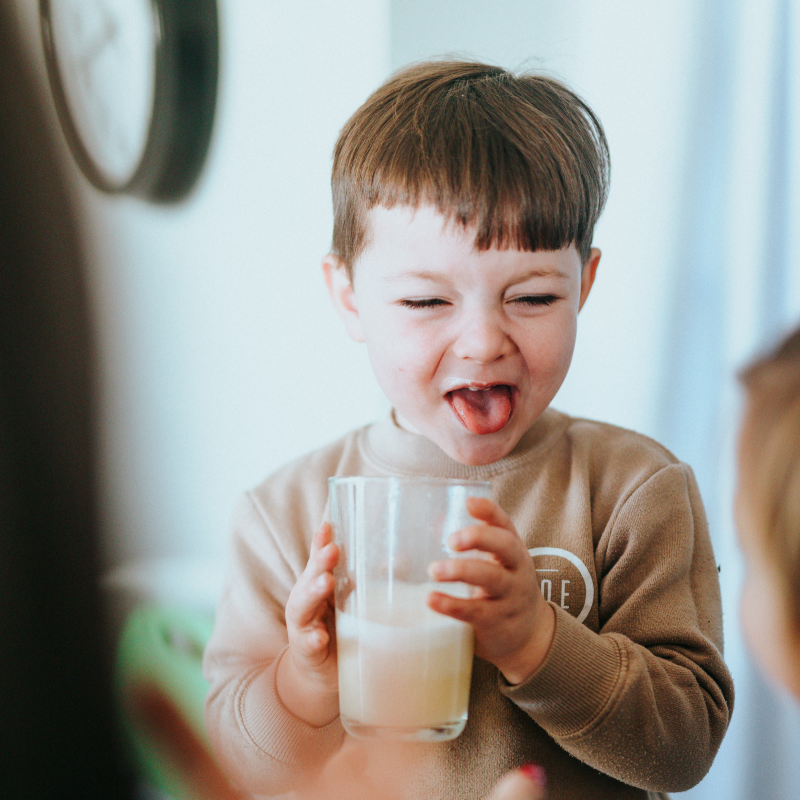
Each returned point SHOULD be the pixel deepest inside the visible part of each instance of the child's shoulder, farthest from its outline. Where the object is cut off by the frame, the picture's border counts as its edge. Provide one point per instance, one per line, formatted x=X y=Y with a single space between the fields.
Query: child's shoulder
x=614 y=451
x=614 y=440
x=616 y=465
x=306 y=476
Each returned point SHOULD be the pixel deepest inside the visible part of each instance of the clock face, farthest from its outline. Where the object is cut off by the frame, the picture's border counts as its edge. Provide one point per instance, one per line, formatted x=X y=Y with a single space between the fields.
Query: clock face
x=134 y=83
x=105 y=51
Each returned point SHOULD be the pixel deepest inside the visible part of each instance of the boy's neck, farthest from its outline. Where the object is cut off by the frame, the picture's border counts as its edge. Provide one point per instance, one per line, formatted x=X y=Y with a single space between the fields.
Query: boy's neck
x=403 y=423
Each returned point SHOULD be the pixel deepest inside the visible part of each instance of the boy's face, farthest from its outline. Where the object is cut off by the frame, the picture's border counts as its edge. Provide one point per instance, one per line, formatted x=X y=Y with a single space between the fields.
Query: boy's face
x=470 y=347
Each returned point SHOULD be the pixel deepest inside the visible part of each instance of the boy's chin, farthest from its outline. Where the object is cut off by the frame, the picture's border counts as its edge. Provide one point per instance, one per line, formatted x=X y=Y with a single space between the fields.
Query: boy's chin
x=474 y=450
x=469 y=449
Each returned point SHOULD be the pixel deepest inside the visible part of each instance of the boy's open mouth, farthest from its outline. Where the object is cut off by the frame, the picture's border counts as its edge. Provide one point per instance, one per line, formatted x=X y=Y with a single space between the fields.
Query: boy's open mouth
x=483 y=409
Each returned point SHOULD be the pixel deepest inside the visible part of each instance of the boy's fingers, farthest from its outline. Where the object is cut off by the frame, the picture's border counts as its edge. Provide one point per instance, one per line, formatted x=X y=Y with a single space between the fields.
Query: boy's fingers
x=502 y=543
x=476 y=610
x=451 y=606
x=322 y=537
x=487 y=575
x=488 y=511
x=310 y=602
x=471 y=610
x=325 y=559
x=324 y=553
x=310 y=597
x=320 y=590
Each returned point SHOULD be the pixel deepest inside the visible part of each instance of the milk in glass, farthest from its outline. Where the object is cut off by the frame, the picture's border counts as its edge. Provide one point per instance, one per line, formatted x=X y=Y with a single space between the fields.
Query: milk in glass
x=402 y=666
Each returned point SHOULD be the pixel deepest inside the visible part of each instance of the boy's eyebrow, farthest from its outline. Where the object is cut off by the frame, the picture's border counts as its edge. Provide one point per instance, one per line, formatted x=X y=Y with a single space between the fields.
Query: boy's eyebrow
x=412 y=273
x=542 y=272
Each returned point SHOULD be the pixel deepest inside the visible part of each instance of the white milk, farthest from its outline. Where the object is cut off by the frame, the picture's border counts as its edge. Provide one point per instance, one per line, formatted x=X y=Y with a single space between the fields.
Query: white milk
x=405 y=666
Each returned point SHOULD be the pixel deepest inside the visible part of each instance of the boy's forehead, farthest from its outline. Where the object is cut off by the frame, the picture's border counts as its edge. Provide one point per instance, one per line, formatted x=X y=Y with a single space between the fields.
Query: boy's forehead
x=423 y=226
x=399 y=233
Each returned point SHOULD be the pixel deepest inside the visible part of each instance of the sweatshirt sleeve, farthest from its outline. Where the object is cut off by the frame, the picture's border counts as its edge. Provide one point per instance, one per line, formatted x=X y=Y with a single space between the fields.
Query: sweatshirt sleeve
x=646 y=698
x=263 y=748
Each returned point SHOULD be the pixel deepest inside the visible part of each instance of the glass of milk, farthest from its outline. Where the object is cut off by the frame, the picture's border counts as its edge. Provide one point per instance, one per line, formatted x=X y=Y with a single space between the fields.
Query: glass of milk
x=404 y=670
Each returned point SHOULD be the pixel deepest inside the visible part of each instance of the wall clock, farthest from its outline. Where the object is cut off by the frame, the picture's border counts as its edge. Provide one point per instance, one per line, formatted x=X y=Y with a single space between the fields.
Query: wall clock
x=134 y=83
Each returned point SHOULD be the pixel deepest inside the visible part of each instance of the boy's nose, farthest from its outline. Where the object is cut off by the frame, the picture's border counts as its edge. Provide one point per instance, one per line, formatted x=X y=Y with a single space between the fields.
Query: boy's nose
x=482 y=338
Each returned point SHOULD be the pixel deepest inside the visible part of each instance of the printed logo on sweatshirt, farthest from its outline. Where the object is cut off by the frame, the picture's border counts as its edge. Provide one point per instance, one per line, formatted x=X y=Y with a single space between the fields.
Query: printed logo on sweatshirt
x=564 y=580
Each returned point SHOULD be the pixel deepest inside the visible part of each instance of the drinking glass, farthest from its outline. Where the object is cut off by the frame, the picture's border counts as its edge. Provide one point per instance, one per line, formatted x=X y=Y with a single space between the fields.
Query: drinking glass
x=404 y=669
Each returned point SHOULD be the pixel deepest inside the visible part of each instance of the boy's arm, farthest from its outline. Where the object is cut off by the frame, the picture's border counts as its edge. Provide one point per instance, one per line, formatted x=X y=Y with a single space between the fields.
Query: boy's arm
x=647 y=699
x=262 y=746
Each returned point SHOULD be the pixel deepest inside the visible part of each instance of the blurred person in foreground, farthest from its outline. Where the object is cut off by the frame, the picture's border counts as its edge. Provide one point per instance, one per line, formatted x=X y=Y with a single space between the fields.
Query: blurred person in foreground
x=57 y=729
x=768 y=512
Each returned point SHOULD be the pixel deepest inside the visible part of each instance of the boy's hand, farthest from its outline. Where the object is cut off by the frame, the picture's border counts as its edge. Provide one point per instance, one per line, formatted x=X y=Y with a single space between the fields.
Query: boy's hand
x=307 y=677
x=513 y=623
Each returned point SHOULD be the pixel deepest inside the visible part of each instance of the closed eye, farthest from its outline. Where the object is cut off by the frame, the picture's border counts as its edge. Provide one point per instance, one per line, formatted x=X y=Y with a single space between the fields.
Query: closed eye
x=424 y=302
x=535 y=299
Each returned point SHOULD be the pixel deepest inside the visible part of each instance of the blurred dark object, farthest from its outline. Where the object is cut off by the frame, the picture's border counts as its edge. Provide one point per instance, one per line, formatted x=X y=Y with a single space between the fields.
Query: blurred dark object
x=58 y=737
x=171 y=134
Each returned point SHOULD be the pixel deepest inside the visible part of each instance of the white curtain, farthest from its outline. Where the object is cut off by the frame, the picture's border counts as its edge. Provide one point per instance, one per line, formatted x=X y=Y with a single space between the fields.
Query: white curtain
x=736 y=290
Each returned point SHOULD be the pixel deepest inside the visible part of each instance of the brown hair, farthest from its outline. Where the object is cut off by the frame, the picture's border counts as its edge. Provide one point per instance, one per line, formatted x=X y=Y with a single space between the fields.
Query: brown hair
x=769 y=477
x=520 y=157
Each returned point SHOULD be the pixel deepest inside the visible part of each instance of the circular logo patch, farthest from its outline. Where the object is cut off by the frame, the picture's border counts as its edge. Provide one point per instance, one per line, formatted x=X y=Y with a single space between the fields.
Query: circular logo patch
x=564 y=580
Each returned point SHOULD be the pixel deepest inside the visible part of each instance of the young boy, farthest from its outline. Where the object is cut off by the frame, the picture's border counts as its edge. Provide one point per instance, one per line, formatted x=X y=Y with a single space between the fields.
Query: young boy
x=465 y=200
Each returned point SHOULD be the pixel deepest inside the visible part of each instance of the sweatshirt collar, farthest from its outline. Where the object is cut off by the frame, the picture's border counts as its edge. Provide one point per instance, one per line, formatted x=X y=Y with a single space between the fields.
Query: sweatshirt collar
x=393 y=450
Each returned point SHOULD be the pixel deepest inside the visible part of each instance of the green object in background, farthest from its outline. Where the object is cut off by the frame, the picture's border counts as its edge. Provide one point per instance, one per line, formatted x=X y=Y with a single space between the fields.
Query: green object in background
x=158 y=669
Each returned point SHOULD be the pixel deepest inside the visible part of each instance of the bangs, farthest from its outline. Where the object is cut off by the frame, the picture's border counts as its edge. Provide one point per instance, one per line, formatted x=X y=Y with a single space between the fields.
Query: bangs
x=521 y=160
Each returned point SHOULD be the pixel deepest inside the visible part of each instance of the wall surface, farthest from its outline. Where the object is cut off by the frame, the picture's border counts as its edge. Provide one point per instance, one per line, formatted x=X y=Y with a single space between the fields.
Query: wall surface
x=220 y=355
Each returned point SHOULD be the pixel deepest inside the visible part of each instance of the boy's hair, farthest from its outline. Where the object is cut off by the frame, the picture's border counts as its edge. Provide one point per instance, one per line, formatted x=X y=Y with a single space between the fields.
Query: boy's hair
x=520 y=157
x=770 y=463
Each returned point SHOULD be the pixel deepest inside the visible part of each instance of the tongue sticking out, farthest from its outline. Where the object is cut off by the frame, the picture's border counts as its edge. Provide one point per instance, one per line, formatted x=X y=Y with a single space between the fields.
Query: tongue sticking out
x=483 y=411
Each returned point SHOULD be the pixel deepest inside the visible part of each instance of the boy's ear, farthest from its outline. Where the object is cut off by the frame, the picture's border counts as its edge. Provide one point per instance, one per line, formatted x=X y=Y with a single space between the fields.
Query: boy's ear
x=588 y=274
x=340 y=288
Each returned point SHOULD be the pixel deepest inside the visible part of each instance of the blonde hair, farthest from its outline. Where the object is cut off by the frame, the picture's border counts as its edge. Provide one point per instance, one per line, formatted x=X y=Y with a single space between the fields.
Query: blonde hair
x=769 y=478
x=520 y=157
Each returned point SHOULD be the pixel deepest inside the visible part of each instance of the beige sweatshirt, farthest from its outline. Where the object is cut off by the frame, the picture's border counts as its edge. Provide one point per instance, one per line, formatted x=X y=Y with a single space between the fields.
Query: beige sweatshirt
x=633 y=695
